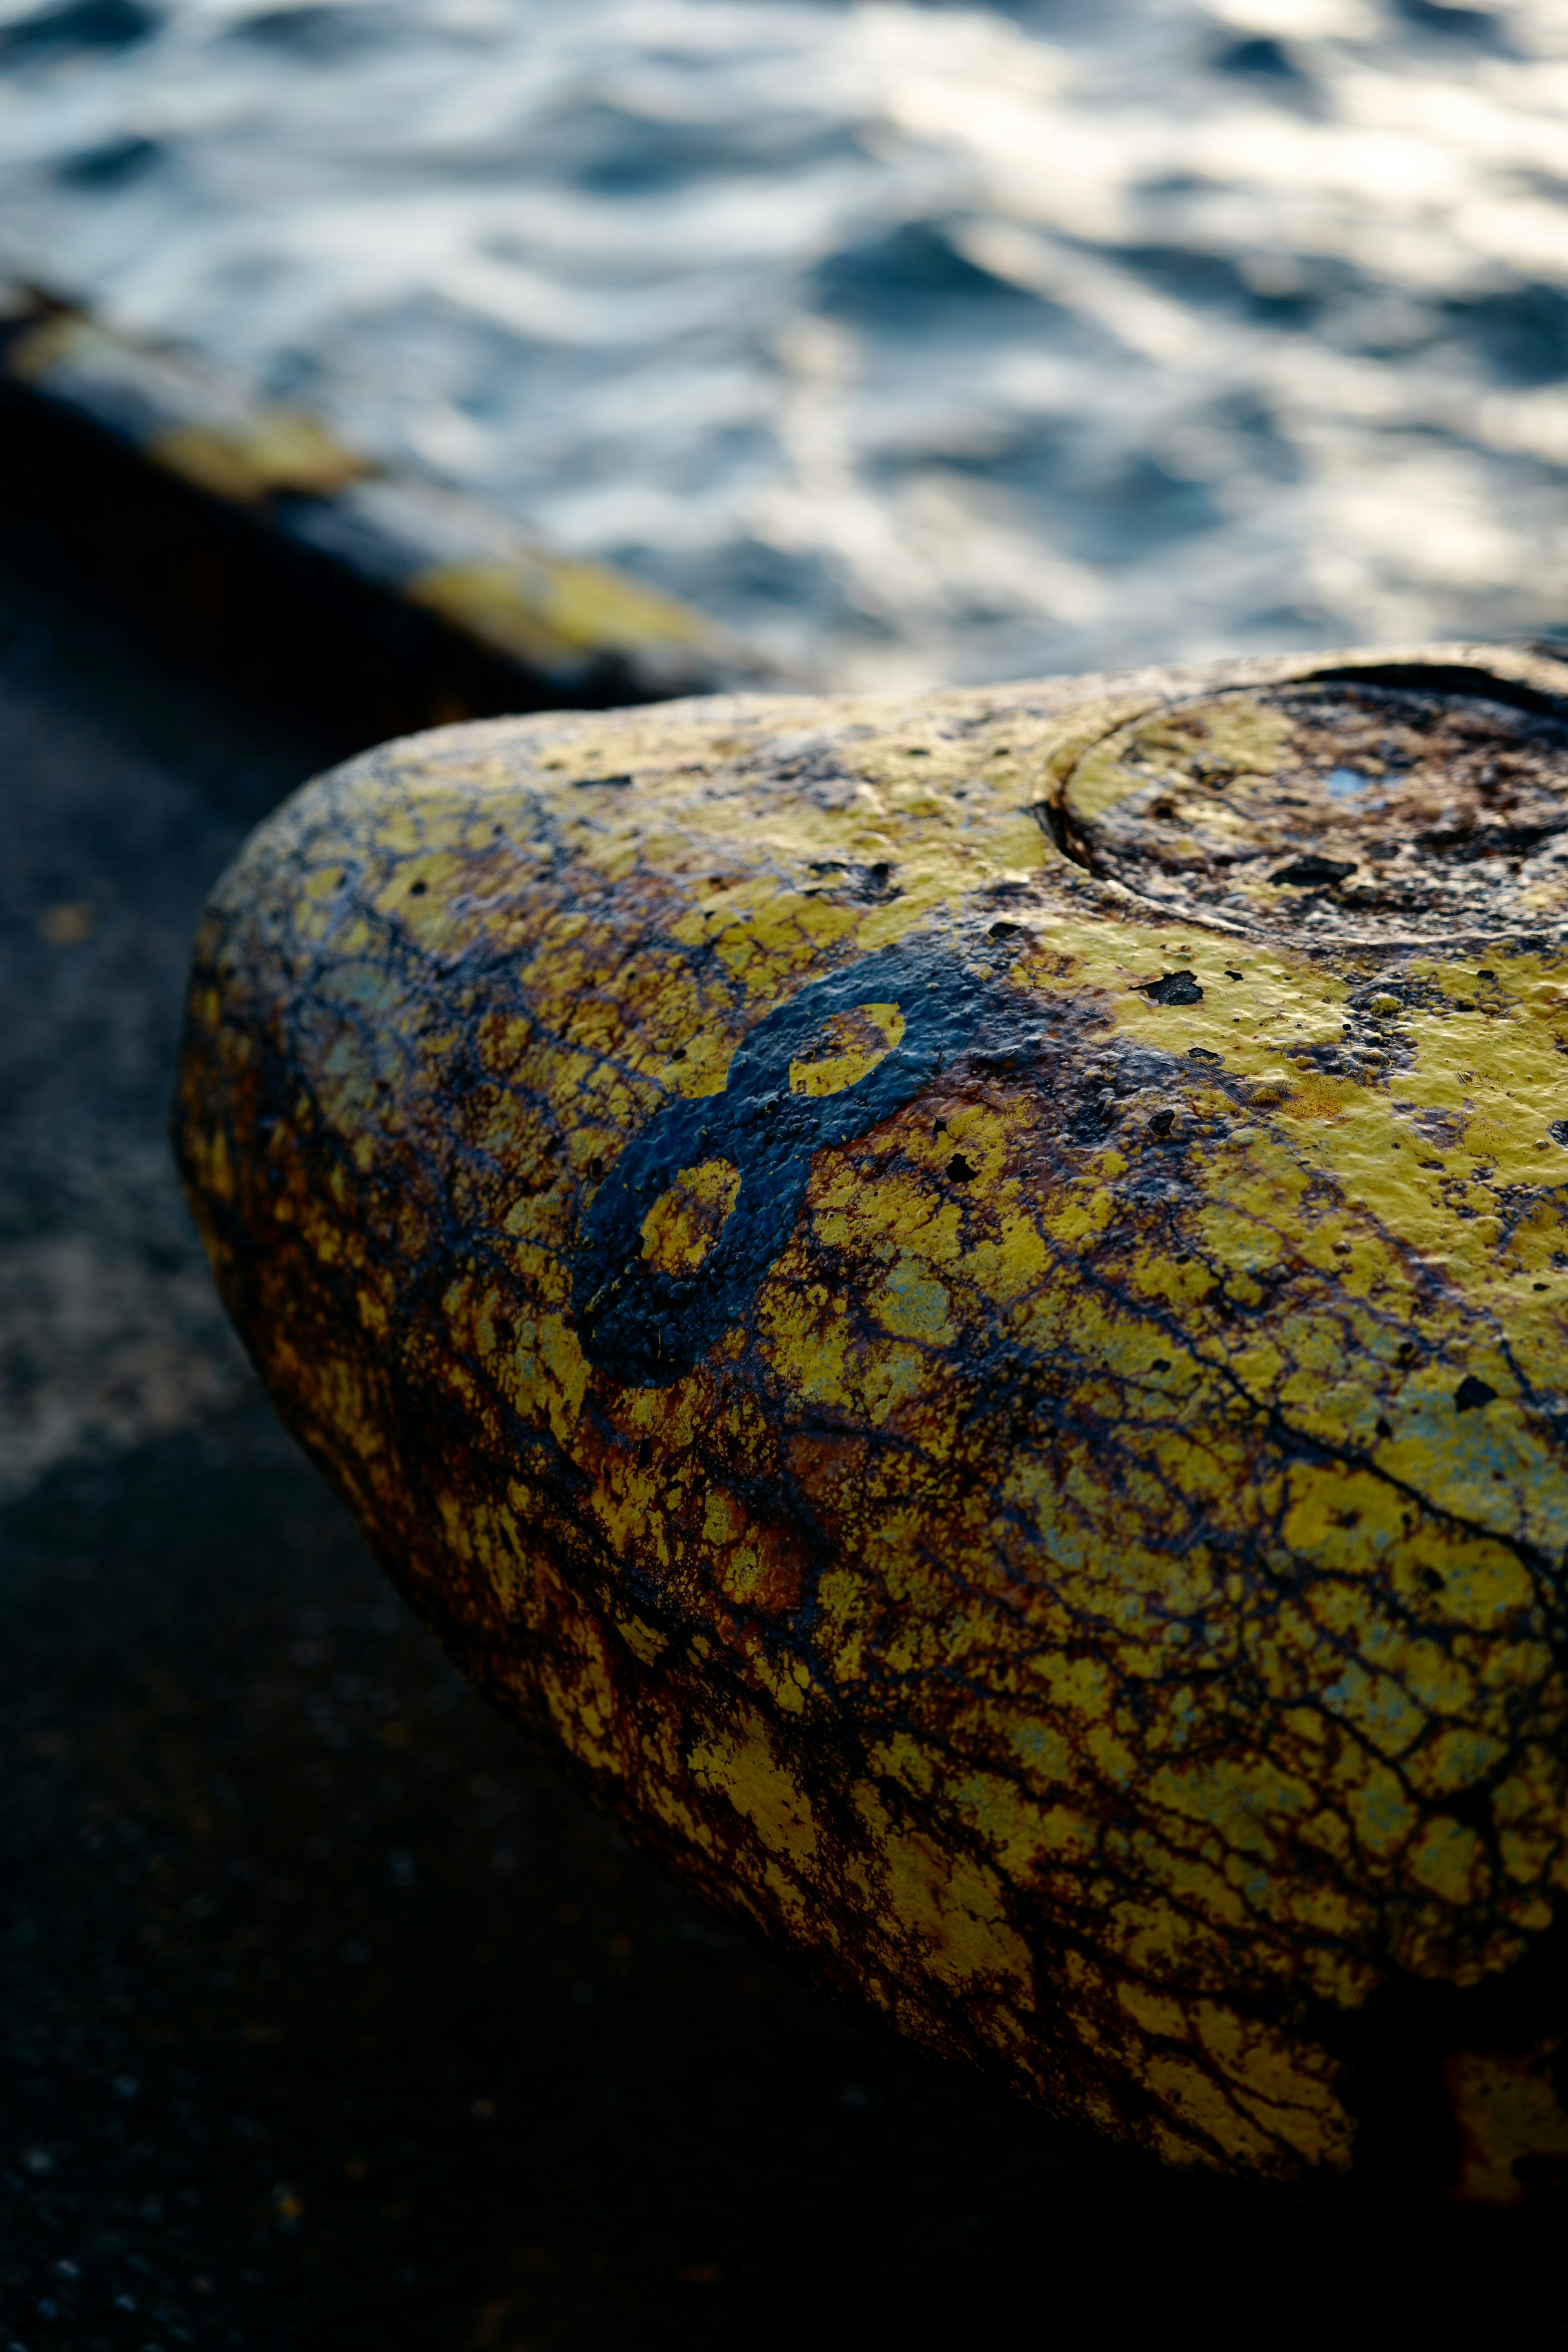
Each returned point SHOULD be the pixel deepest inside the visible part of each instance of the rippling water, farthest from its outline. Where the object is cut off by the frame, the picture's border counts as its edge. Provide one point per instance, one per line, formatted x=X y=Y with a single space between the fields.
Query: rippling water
x=916 y=342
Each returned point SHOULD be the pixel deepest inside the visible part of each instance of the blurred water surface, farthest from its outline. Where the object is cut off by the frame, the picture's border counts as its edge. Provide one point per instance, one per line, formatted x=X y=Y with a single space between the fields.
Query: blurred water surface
x=917 y=342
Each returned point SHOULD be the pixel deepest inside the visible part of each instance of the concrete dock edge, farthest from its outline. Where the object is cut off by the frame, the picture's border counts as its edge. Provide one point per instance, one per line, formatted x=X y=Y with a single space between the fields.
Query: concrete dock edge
x=366 y=591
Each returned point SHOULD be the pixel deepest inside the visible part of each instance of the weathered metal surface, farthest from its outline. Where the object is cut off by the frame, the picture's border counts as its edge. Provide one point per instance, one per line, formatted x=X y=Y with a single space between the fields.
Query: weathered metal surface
x=963 y=1304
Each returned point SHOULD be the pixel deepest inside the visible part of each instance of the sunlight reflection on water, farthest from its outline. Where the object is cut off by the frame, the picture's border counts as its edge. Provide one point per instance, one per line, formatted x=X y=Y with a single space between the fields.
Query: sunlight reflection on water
x=916 y=342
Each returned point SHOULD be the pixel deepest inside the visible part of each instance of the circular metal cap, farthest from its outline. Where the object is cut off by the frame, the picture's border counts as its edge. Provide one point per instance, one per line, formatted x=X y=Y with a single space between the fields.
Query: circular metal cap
x=1337 y=807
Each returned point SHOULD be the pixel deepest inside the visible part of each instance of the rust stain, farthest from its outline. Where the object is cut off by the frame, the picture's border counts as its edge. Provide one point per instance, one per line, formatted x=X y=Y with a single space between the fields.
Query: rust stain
x=1509 y=2112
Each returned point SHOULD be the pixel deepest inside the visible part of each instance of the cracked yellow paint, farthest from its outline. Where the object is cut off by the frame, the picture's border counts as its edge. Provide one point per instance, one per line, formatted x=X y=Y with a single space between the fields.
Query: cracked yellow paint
x=684 y=1223
x=855 y=1042
x=1075 y=1550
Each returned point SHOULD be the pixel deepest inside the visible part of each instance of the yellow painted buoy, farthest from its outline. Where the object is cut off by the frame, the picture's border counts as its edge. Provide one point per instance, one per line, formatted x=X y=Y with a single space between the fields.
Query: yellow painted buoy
x=963 y=1302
